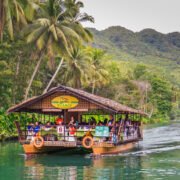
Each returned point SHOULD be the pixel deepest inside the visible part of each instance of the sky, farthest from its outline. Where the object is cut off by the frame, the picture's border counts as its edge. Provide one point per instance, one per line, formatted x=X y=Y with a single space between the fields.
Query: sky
x=161 y=15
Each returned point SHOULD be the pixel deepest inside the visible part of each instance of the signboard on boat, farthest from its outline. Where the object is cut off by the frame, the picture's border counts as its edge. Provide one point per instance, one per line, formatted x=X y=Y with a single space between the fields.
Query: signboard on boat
x=60 y=129
x=102 y=131
x=64 y=102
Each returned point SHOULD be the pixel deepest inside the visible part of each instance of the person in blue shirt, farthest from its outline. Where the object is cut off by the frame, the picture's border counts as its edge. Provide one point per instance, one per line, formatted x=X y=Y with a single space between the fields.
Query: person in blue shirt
x=36 y=128
x=30 y=126
x=30 y=131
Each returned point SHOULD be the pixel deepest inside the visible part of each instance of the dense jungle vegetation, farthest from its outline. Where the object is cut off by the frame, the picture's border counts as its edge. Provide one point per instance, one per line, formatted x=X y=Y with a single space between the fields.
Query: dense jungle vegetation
x=44 y=43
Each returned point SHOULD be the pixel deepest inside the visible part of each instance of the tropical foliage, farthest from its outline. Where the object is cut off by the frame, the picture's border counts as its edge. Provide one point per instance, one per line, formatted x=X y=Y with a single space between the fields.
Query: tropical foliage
x=44 y=43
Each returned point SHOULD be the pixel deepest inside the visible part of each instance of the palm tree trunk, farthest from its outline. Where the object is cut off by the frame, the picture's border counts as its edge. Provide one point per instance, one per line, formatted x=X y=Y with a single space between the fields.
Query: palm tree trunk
x=1 y=19
x=54 y=76
x=93 y=87
x=33 y=75
x=14 y=89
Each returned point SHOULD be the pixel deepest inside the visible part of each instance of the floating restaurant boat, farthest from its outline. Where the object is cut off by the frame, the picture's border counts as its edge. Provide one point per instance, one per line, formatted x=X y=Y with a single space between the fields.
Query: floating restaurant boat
x=67 y=118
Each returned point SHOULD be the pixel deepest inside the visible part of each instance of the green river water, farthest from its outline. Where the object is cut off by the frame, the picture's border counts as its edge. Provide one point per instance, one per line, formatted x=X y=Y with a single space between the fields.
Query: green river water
x=156 y=157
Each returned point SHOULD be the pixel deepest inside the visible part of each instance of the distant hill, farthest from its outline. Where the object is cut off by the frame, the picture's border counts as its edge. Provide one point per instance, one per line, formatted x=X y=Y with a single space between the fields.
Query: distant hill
x=118 y=40
x=147 y=46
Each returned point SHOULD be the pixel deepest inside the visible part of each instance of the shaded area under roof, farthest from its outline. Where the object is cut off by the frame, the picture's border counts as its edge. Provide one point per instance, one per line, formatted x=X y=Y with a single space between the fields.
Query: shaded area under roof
x=104 y=103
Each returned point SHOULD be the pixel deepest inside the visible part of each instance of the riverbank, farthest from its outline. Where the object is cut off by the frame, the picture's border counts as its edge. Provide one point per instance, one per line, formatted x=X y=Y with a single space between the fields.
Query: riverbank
x=159 y=124
x=4 y=138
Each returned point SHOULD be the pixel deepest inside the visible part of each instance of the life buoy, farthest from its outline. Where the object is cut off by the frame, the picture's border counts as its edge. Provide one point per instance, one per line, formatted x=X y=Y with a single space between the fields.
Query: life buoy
x=87 y=142
x=38 y=141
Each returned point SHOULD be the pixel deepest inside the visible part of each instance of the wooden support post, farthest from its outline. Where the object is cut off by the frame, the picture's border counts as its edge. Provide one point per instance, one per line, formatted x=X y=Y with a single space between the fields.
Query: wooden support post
x=43 y=118
x=65 y=116
x=79 y=116
x=114 y=117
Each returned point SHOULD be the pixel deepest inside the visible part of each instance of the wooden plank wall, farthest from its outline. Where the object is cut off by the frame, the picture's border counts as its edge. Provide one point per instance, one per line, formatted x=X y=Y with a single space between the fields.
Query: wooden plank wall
x=46 y=103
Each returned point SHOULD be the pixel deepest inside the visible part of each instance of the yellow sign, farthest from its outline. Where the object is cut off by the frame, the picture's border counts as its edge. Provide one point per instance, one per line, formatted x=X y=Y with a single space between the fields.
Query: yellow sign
x=64 y=102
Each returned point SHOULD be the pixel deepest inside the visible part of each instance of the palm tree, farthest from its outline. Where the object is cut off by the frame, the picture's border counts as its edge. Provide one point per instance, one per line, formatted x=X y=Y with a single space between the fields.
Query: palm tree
x=73 y=8
x=75 y=71
x=33 y=9
x=72 y=14
x=51 y=36
x=1 y=19
x=13 y=15
x=99 y=76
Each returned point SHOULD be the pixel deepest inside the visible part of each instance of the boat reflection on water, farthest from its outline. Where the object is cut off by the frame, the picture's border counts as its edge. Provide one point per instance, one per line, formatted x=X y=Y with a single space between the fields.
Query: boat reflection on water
x=36 y=171
x=78 y=167
x=116 y=167
x=55 y=166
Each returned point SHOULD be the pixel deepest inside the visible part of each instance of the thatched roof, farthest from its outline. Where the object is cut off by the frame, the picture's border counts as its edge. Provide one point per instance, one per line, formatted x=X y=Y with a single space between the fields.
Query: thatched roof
x=102 y=102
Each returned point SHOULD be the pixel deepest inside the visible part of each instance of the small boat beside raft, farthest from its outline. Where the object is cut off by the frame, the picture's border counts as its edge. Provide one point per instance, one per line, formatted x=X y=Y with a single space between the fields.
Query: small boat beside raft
x=66 y=118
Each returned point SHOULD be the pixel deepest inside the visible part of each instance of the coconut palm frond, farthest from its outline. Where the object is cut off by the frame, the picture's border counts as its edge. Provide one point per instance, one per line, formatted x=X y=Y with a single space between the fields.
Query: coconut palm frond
x=84 y=17
x=62 y=37
x=14 y=14
x=79 y=29
x=52 y=29
x=43 y=21
x=28 y=29
x=9 y=23
x=33 y=37
x=42 y=40
x=70 y=32
x=31 y=8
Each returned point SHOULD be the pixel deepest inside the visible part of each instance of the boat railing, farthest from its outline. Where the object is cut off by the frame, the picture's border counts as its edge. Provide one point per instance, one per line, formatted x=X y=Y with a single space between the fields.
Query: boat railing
x=68 y=133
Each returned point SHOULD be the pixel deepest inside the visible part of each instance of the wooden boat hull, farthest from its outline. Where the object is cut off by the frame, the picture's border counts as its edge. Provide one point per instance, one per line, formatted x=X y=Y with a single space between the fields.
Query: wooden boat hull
x=31 y=149
x=98 y=149
x=112 y=149
x=49 y=146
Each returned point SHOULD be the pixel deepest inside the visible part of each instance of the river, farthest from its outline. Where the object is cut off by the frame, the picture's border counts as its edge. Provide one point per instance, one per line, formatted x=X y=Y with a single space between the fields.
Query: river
x=156 y=157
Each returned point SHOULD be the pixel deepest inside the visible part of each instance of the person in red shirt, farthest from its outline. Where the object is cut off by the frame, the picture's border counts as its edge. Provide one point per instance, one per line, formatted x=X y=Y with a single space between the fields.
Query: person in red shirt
x=72 y=130
x=59 y=120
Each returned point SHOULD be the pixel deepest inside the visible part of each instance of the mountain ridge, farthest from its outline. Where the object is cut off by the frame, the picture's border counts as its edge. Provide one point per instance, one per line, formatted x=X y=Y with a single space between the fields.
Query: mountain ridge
x=150 y=47
x=145 y=42
x=118 y=26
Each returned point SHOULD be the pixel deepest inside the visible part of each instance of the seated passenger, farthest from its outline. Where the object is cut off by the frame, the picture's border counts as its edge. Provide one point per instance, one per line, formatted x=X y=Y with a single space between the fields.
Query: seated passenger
x=72 y=130
x=114 y=133
x=93 y=125
x=30 y=126
x=92 y=120
x=127 y=123
x=47 y=126
x=59 y=120
x=30 y=132
x=120 y=121
x=86 y=126
x=72 y=121
x=111 y=122
x=36 y=128
x=100 y=123
x=77 y=124
x=105 y=122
